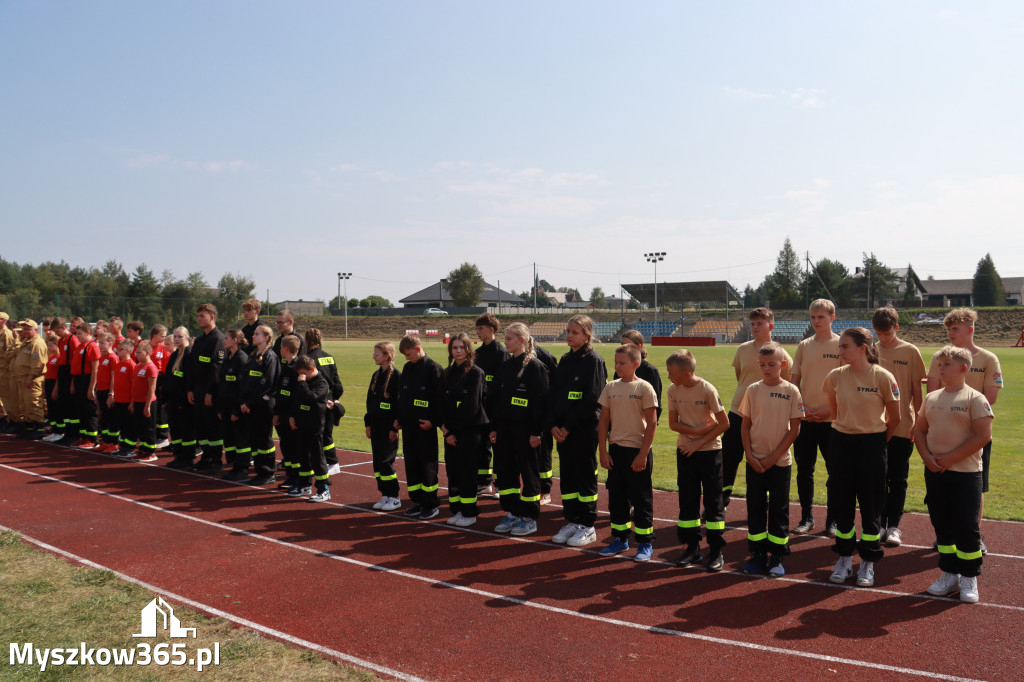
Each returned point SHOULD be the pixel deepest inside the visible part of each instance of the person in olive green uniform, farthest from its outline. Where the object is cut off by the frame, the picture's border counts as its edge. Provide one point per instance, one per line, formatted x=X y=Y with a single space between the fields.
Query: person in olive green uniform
x=29 y=370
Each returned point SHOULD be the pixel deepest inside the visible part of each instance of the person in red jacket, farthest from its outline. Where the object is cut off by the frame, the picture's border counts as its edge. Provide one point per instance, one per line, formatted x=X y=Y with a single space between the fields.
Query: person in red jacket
x=143 y=397
x=104 y=384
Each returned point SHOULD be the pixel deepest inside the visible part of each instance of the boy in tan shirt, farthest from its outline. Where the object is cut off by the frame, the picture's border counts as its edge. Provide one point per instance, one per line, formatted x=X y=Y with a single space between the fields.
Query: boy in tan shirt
x=815 y=358
x=772 y=409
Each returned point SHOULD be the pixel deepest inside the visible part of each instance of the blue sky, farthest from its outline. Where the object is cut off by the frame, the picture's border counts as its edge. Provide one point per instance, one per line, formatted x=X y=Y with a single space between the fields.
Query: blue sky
x=396 y=140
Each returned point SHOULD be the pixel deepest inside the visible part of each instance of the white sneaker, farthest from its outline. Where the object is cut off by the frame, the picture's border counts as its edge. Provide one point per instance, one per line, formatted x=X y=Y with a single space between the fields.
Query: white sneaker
x=866 y=574
x=392 y=504
x=562 y=536
x=584 y=536
x=379 y=505
x=334 y=469
x=969 y=589
x=454 y=521
x=53 y=437
x=465 y=521
x=507 y=523
x=843 y=570
x=163 y=444
x=545 y=499
x=525 y=527
x=894 y=538
x=948 y=583
x=883 y=535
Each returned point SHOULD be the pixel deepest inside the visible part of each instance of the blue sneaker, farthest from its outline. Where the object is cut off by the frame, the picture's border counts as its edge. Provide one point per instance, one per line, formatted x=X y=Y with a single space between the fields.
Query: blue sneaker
x=644 y=552
x=524 y=527
x=299 y=490
x=775 y=568
x=614 y=547
x=757 y=563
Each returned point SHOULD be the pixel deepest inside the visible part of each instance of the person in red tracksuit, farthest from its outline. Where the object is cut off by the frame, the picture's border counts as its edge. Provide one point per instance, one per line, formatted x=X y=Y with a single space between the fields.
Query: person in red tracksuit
x=121 y=398
x=84 y=362
x=104 y=384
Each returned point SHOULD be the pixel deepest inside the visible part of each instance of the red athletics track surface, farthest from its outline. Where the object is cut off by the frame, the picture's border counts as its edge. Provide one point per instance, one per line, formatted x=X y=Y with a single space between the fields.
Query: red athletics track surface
x=423 y=599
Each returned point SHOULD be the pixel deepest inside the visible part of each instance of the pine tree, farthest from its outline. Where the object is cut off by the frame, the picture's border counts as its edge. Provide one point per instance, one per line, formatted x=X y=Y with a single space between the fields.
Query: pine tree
x=988 y=285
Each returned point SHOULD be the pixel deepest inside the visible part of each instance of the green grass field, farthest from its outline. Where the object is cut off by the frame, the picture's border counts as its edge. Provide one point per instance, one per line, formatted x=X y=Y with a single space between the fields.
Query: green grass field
x=1004 y=500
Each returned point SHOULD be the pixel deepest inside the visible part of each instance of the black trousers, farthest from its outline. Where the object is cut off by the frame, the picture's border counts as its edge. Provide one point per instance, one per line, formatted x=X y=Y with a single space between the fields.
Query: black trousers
x=954 y=500
x=547 y=446
x=813 y=436
x=259 y=424
x=53 y=414
x=768 y=510
x=209 y=431
x=700 y=473
x=145 y=427
x=183 y=432
x=384 y=452
x=461 y=462
x=420 y=449
x=125 y=426
x=897 y=469
x=327 y=438
x=312 y=461
x=108 y=430
x=236 y=439
x=162 y=417
x=85 y=409
x=484 y=472
x=858 y=475
x=577 y=458
x=732 y=452
x=630 y=494
x=516 y=463
x=291 y=447
x=66 y=401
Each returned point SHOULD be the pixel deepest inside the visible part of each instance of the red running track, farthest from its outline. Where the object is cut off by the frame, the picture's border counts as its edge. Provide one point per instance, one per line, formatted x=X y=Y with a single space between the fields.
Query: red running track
x=425 y=600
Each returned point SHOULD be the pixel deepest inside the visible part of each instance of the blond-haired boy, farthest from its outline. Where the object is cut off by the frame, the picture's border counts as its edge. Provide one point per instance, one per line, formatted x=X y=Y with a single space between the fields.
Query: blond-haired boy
x=815 y=358
x=952 y=429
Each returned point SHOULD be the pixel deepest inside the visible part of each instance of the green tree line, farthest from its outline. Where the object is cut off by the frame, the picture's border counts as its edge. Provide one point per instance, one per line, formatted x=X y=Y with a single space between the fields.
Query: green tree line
x=93 y=293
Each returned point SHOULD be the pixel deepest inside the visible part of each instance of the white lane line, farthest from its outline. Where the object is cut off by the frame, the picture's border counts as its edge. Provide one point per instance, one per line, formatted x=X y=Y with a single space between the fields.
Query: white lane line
x=214 y=611
x=524 y=602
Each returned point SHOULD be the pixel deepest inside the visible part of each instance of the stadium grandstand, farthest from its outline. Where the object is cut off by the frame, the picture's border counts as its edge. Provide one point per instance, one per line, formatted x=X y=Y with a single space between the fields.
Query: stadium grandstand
x=547 y=331
x=838 y=326
x=724 y=331
x=790 y=331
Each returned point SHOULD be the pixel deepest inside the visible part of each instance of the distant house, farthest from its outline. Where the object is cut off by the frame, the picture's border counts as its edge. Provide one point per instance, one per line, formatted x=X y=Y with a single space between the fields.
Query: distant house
x=301 y=308
x=952 y=293
x=436 y=295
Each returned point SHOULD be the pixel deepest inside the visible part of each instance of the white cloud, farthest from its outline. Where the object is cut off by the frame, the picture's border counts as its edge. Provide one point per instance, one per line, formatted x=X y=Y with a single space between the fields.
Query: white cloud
x=236 y=165
x=383 y=176
x=167 y=161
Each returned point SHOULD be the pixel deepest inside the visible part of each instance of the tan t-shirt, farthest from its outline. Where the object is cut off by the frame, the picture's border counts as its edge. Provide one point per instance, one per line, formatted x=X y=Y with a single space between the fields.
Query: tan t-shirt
x=950 y=416
x=769 y=409
x=904 y=362
x=745 y=361
x=984 y=372
x=812 y=363
x=626 y=403
x=861 y=398
x=695 y=406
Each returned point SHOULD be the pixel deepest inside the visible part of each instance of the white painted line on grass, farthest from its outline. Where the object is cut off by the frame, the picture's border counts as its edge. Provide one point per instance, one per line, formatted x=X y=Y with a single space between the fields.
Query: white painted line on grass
x=531 y=604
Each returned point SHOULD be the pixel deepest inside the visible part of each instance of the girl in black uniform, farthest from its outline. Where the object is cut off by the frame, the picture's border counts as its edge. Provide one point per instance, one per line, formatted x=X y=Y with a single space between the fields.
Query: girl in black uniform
x=381 y=404
x=572 y=419
x=256 y=407
x=325 y=366
x=462 y=415
x=646 y=370
x=175 y=394
x=518 y=422
x=236 y=442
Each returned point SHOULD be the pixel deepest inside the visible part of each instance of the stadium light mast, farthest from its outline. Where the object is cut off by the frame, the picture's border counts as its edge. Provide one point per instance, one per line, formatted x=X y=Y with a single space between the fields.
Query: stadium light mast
x=654 y=257
x=344 y=276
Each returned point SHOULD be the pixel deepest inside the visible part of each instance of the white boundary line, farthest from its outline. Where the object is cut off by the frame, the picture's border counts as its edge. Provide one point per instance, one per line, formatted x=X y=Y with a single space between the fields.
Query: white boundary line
x=291 y=639
x=515 y=600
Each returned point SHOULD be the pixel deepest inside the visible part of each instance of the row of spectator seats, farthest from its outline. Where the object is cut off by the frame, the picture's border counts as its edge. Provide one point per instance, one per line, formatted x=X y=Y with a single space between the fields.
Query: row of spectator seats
x=839 y=325
x=663 y=328
x=791 y=329
x=607 y=330
x=715 y=327
x=547 y=331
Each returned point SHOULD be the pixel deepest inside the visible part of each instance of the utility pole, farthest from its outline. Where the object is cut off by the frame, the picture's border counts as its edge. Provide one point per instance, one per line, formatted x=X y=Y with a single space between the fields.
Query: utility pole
x=654 y=257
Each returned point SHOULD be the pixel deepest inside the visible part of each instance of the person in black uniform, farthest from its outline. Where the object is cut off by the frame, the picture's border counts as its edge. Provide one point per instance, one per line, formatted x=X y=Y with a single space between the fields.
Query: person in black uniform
x=255 y=410
x=309 y=405
x=202 y=378
x=572 y=420
x=180 y=414
x=646 y=370
x=335 y=411
x=462 y=418
x=235 y=442
x=517 y=422
x=287 y=439
x=418 y=386
x=286 y=328
x=251 y=313
x=381 y=406
x=489 y=358
x=547 y=441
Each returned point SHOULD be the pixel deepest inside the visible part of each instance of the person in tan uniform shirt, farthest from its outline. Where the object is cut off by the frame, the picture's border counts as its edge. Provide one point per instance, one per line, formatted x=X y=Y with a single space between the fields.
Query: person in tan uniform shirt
x=7 y=340
x=29 y=370
x=762 y=321
x=904 y=361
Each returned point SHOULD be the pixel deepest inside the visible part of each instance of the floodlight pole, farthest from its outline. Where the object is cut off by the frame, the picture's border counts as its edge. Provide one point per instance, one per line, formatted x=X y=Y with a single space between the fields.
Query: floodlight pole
x=344 y=276
x=654 y=257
